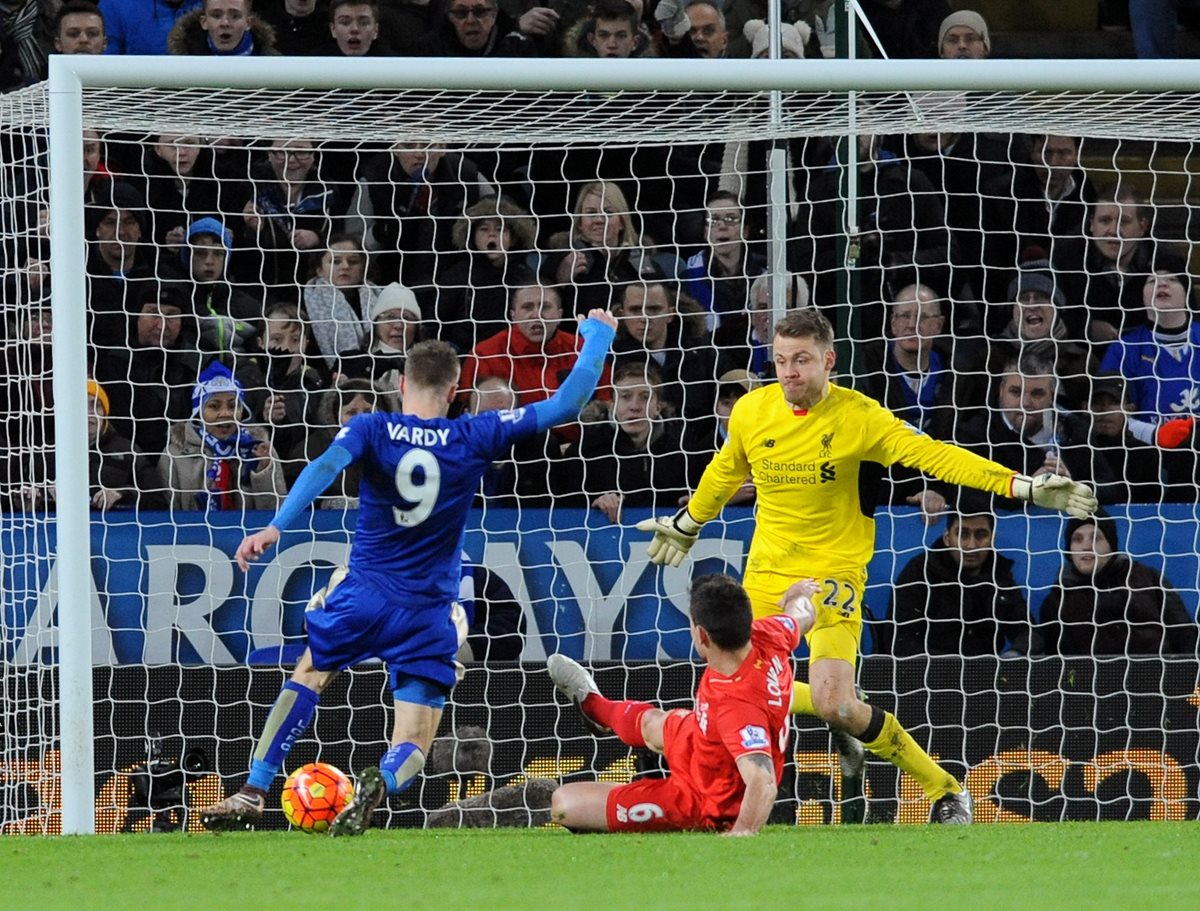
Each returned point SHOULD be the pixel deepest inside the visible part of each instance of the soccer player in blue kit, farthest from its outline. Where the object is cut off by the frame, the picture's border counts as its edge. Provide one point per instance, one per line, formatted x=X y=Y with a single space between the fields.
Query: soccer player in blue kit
x=399 y=600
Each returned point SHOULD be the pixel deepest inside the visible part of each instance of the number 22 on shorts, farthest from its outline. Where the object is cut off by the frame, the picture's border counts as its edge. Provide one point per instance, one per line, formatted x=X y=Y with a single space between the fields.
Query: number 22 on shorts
x=841 y=597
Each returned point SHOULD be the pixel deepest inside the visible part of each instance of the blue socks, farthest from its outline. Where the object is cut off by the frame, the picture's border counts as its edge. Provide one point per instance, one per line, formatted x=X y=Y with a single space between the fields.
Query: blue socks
x=290 y=717
x=400 y=765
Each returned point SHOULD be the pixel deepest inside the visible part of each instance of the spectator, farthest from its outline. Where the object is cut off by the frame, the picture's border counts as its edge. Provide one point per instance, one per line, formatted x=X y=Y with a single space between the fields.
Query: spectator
x=675 y=20
x=119 y=475
x=963 y=35
x=792 y=39
x=280 y=383
x=118 y=259
x=301 y=26
x=1107 y=603
x=959 y=596
x=702 y=439
x=228 y=316
x=496 y=623
x=95 y=169
x=478 y=28
x=142 y=26
x=498 y=485
x=1145 y=472
x=1161 y=360
x=636 y=459
x=610 y=29
x=403 y=22
x=903 y=231
x=1029 y=433
x=495 y=235
x=340 y=300
x=395 y=327
x=602 y=249
x=407 y=203
x=719 y=276
x=744 y=343
x=150 y=377
x=28 y=409
x=905 y=28
x=26 y=30
x=706 y=30
x=1039 y=310
x=660 y=325
x=335 y=409
x=212 y=461
x=1040 y=203
x=534 y=354
x=222 y=28
x=921 y=374
x=1105 y=272
x=182 y=184
x=79 y=28
x=291 y=213
x=1040 y=315
x=957 y=166
x=522 y=478
x=354 y=25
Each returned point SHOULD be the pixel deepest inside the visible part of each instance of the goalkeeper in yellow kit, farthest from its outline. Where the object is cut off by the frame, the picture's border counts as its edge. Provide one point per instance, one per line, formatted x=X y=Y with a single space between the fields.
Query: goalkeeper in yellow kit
x=809 y=446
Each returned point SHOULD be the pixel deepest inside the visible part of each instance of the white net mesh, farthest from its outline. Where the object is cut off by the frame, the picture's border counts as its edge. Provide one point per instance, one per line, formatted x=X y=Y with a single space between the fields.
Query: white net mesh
x=301 y=240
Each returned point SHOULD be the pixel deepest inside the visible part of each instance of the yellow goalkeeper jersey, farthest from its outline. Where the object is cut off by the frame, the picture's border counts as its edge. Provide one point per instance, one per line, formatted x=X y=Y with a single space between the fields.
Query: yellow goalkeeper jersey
x=816 y=473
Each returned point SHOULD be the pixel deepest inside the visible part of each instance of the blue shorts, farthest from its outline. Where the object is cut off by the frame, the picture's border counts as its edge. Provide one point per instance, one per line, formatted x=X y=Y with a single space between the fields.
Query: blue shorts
x=359 y=622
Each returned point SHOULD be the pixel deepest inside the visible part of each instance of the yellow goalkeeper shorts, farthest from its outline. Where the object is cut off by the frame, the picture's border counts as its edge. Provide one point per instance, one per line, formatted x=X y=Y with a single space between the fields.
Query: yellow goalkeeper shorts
x=838 y=629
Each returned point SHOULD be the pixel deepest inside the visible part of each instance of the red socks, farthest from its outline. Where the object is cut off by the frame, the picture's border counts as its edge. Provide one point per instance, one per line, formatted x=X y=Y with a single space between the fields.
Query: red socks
x=625 y=717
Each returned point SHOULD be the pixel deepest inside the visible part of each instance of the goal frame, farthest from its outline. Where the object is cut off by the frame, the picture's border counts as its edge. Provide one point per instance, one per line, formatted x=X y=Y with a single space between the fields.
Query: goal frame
x=71 y=74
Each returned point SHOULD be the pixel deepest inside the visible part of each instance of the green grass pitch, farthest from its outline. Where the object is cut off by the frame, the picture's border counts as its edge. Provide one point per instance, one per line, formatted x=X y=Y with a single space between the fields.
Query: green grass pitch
x=1044 y=867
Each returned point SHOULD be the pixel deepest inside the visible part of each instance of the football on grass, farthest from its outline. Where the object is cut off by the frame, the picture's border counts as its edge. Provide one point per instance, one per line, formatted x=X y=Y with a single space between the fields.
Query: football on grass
x=313 y=795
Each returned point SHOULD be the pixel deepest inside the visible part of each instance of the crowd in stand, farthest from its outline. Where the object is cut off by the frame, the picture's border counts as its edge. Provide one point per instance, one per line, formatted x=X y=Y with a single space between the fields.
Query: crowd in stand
x=248 y=298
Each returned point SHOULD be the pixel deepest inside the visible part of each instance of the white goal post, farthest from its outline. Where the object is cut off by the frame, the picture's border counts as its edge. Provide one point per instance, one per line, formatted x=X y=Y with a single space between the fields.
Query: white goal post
x=495 y=101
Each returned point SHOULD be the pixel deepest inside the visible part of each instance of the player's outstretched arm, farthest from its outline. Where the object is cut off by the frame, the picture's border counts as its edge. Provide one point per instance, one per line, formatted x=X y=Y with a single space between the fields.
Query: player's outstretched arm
x=598 y=330
x=673 y=536
x=758 y=772
x=797 y=603
x=1055 y=491
x=254 y=546
x=313 y=481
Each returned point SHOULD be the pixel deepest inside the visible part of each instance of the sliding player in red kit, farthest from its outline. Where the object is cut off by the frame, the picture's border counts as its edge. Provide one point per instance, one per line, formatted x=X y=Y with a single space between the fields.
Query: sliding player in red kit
x=726 y=755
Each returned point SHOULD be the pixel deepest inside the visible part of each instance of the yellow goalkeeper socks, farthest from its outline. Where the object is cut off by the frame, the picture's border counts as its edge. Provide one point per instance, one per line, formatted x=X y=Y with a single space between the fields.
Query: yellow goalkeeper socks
x=802 y=703
x=897 y=746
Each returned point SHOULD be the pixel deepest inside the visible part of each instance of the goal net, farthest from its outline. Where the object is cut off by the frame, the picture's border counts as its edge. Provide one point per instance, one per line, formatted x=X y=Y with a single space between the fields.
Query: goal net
x=252 y=264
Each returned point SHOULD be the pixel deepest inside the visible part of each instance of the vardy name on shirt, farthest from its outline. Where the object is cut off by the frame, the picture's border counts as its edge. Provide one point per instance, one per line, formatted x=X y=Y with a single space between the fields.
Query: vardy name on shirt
x=419 y=436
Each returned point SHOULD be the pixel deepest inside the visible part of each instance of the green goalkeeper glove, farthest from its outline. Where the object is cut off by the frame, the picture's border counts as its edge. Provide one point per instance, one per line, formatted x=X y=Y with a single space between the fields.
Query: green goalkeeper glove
x=1056 y=492
x=673 y=537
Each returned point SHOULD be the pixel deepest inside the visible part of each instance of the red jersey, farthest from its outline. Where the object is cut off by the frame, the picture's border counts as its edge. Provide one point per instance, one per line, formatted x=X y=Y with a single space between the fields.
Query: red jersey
x=535 y=371
x=746 y=712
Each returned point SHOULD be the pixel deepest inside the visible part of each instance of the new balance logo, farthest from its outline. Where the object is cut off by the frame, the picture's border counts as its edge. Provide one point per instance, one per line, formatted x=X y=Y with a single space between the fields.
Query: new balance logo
x=769 y=443
x=828 y=472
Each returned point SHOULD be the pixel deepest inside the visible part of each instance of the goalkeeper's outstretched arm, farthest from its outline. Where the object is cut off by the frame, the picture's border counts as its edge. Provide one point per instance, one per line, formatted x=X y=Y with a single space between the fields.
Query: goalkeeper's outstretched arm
x=956 y=465
x=1055 y=491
